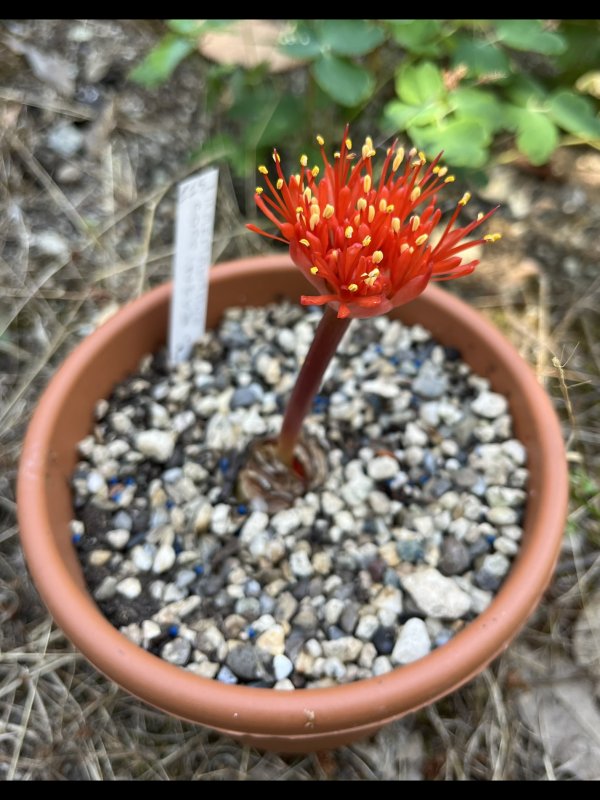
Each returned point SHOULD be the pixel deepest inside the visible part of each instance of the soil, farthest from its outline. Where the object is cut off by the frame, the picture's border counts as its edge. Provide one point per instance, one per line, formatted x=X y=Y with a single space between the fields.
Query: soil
x=86 y=224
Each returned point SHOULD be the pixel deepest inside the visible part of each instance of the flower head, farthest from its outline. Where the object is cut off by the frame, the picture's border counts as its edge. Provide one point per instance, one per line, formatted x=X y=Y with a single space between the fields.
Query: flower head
x=367 y=244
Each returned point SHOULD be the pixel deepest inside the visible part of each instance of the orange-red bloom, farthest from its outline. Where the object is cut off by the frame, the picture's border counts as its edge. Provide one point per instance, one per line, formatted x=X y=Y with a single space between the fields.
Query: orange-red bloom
x=361 y=241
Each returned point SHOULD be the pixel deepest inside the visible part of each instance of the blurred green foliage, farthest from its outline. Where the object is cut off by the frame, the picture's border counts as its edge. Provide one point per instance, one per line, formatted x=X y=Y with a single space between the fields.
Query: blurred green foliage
x=471 y=88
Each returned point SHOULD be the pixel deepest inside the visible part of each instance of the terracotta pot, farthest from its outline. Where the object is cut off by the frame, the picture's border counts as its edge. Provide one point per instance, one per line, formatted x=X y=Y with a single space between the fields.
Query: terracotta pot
x=302 y=720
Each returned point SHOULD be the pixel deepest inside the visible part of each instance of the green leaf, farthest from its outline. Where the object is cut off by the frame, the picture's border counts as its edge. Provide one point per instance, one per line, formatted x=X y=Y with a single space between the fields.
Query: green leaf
x=217 y=147
x=416 y=35
x=161 y=61
x=349 y=37
x=481 y=57
x=528 y=34
x=575 y=114
x=464 y=142
x=523 y=90
x=537 y=136
x=397 y=115
x=420 y=84
x=185 y=27
x=302 y=42
x=346 y=83
x=285 y=120
x=195 y=27
x=478 y=104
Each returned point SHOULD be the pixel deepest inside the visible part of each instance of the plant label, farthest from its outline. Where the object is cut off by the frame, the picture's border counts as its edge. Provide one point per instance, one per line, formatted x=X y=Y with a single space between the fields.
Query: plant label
x=194 y=225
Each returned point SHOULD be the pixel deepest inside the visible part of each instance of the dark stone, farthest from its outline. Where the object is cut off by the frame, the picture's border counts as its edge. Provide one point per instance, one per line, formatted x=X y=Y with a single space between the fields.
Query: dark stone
x=349 y=618
x=243 y=398
x=97 y=521
x=384 y=640
x=294 y=643
x=244 y=662
x=455 y=558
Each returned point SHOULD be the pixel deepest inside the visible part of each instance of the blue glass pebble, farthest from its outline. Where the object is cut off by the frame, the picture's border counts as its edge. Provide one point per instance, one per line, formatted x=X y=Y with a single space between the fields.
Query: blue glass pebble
x=130 y=481
x=199 y=569
x=116 y=496
x=113 y=480
x=251 y=632
x=173 y=630
x=242 y=509
x=224 y=464
x=169 y=503
x=76 y=538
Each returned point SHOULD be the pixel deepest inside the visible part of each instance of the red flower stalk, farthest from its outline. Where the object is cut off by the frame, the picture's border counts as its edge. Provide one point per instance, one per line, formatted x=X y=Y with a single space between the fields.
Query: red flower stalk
x=362 y=244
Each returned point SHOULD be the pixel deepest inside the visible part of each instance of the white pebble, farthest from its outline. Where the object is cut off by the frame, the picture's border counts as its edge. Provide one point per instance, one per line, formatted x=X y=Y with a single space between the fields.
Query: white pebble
x=413 y=642
x=129 y=587
x=164 y=559
x=118 y=538
x=155 y=444
x=282 y=666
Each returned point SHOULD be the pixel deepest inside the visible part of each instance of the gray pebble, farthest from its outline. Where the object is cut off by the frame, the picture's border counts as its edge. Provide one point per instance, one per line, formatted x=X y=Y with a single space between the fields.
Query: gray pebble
x=244 y=662
x=177 y=651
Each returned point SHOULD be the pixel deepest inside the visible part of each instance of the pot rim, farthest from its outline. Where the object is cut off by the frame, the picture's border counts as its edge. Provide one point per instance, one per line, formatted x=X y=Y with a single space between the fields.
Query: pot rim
x=269 y=712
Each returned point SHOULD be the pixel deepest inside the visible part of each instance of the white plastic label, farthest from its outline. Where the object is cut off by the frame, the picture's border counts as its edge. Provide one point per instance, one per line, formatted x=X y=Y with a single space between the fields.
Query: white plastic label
x=194 y=225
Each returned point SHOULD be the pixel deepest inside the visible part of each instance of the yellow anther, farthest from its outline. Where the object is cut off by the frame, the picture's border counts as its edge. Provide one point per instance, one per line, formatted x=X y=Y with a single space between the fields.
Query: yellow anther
x=389 y=209
x=367 y=183
x=403 y=247
x=377 y=257
x=396 y=224
x=382 y=204
x=348 y=232
x=313 y=221
x=399 y=158
x=416 y=163
x=415 y=194
x=303 y=160
x=365 y=151
x=361 y=204
x=412 y=152
x=259 y=190
x=369 y=142
x=276 y=158
x=366 y=241
x=415 y=222
x=371 y=214
x=320 y=140
x=305 y=242
x=492 y=237
x=464 y=199
x=263 y=169
x=480 y=216
x=307 y=194
x=299 y=209
x=348 y=143
x=422 y=157
x=279 y=183
x=442 y=171
x=314 y=270
x=297 y=179
x=328 y=211
x=449 y=179
x=353 y=287
x=421 y=239
x=336 y=154
x=436 y=170
x=315 y=171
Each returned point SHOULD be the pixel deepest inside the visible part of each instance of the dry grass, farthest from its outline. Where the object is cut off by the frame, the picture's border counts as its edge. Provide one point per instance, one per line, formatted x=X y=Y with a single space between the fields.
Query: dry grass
x=60 y=719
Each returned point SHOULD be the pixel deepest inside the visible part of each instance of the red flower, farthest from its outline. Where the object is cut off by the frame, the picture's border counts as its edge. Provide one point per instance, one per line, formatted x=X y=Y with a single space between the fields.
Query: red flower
x=360 y=240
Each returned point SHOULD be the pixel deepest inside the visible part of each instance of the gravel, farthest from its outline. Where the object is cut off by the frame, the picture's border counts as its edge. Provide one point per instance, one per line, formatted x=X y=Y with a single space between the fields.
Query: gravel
x=404 y=538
